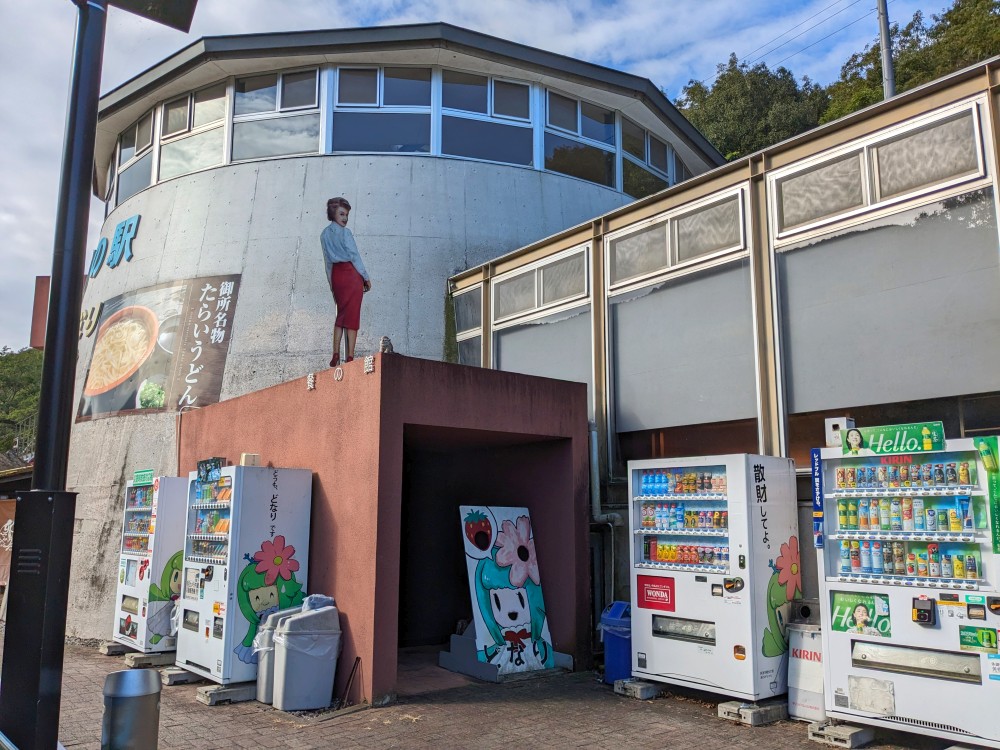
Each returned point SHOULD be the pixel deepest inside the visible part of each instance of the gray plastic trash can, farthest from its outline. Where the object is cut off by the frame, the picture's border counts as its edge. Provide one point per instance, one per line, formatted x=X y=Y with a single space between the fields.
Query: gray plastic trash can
x=306 y=647
x=263 y=646
x=131 y=710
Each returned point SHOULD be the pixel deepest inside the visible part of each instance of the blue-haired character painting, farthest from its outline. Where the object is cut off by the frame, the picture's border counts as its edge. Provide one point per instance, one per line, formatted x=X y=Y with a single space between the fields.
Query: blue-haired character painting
x=511 y=625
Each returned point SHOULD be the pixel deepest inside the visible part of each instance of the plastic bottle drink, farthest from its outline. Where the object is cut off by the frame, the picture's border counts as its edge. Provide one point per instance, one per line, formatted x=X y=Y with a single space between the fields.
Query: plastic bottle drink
x=855 y=557
x=878 y=564
x=884 y=514
x=852 y=513
x=899 y=558
x=989 y=460
x=895 y=515
x=959 y=566
x=866 y=556
x=845 y=556
x=971 y=567
x=942 y=520
x=933 y=561
x=919 y=519
x=907 y=511
x=922 y=564
x=863 y=513
x=947 y=569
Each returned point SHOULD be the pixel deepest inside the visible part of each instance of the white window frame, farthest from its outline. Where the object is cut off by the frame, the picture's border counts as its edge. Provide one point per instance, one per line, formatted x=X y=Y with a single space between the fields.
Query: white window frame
x=461 y=336
x=541 y=310
x=275 y=114
x=867 y=145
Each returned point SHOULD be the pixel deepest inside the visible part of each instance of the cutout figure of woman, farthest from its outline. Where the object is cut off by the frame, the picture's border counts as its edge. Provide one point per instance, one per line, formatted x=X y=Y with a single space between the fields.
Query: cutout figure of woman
x=346 y=275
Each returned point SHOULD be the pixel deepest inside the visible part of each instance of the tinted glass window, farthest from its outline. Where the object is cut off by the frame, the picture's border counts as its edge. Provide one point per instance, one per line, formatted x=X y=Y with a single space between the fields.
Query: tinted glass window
x=511 y=100
x=658 y=153
x=514 y=295
x=209 y=105
x=709 y=229
x=127 y=150
x=357 y=86
x=144 y=132
x=192 y=153
x=407 y=87
x=298 y=89
x=381 y=131
x=175 y=116
x=491 y=141
x=822 y=191
x=639 y=253
x=468 y=310
x=597 y=123
x=470 y=351
x=257 y=94
x=562 y=112
x=276 y=136
x=135 y=178
x=579 y=160
x=639 y=182
x=463 y=91
x=563 y=279
x=633 y=139
x=935 y=154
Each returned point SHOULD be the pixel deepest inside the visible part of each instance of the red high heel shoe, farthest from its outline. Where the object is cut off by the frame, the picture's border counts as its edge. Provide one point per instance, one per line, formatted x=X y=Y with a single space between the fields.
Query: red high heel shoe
x=335 y=361
x=349 y=359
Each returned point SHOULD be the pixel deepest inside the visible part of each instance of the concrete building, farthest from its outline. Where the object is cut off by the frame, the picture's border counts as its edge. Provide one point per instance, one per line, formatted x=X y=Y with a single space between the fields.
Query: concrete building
x=216 y=164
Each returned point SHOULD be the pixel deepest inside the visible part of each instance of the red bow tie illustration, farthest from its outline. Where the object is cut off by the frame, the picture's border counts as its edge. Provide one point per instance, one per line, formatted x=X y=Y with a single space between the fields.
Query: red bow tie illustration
x=516 y=637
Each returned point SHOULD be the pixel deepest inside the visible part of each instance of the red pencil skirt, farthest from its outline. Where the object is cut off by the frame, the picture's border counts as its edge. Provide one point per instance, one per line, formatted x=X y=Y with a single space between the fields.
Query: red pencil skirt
x=348 y=291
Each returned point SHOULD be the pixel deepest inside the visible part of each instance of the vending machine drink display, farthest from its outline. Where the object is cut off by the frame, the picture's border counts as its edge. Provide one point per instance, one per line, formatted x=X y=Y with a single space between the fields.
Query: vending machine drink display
x=905 y=526
x=715 y=567
x=246 y=553
x=149 y=567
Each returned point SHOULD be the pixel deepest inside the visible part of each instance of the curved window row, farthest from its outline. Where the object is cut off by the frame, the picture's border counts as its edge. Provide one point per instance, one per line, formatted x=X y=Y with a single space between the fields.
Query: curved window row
x=387 y=109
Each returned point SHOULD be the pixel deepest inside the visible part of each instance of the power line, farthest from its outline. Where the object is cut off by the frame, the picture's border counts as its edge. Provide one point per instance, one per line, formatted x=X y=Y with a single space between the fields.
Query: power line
x=765 y=44
x=804 y=31
x=829 y=35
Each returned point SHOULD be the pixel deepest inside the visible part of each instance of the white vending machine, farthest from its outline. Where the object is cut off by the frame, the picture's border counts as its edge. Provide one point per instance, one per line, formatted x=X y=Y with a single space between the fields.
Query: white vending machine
x=906 y=530
x=715 y=567
x=149 y=566
x=246 y=555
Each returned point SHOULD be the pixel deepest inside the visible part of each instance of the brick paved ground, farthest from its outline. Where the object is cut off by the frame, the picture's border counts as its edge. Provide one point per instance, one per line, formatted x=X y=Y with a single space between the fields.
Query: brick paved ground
x=559 y=710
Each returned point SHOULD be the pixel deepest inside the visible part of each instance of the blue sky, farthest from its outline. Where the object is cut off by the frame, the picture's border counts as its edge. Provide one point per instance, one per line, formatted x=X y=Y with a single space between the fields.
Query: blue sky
x=668 y=41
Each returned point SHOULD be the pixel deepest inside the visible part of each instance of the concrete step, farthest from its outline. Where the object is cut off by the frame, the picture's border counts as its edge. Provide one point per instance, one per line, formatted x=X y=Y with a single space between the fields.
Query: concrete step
x=112 y=648
x=145 y=661
x=177 y=676
x=754 y=714
x=840 y=735
x=216 y=695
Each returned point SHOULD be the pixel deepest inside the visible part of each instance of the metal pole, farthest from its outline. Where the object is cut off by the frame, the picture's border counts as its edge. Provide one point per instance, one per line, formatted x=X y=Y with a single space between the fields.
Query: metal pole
x=34 y=639
x=885 y=42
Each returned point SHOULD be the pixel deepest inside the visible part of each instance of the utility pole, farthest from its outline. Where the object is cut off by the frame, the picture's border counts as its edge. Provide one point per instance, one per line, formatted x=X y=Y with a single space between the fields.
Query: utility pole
x=885 y=42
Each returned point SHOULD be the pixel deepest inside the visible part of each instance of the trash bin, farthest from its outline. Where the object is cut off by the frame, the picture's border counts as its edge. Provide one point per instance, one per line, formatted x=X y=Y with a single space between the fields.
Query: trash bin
x=263 y=646
x=131 y=710
x=616 y=633
x=805 y=663
x=306 y=647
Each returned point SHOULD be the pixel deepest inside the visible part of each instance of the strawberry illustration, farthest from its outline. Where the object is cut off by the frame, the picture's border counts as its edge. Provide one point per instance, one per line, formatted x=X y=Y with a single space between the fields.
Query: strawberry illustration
x=479 y=530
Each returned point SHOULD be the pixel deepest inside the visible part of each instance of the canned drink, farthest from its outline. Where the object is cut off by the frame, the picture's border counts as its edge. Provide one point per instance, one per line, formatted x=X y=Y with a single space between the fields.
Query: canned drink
x=922 y=564
x=919 y=519
x=725 y=519
x=911 y=564
x=958 y=566
x=907 y=510
x=942 y=520
x=914 y=475
x=852 y=477
x=870 y=477
x=904 y=475
x=947 y=569
x=877 y=558
x=954 y=520
x=927 y=475
x=702 y=555
x=894 y=476
x=681 y=515
x=866 y=556
x=717 y=520
x=950 y=475
x=842 y=514
x=725 y=555
x=971 y=567
x=845 y=556
x=938 y=475
x=895 y=515
x=864 y=516
x=883 y=476
x=855 y=556
x=899 y=558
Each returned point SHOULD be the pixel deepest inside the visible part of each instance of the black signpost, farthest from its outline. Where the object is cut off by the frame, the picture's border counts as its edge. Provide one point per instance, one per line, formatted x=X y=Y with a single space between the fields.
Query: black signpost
x=31 y=677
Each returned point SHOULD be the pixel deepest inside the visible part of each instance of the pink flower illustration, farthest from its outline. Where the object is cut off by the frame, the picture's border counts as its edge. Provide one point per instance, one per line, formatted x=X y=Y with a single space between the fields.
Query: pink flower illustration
x=275 y=559
x=789 y=568
x=517 y=551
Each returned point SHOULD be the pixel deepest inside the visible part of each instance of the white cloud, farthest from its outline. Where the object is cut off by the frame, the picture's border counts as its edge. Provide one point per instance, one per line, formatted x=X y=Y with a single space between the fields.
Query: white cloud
x=668 y=42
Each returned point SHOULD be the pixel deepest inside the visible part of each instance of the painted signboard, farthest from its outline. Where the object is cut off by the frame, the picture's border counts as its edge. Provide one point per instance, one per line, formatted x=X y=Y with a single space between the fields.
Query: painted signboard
x=161 y=348
x=512 y=628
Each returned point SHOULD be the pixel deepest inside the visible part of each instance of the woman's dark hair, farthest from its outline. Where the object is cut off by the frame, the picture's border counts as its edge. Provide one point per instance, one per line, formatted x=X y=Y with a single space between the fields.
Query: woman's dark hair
x=333 y=204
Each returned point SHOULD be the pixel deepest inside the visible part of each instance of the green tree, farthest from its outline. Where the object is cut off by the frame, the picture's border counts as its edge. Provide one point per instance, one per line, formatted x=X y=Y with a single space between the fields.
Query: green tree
x=964 y=34
x=20 y=384
x=749 y=108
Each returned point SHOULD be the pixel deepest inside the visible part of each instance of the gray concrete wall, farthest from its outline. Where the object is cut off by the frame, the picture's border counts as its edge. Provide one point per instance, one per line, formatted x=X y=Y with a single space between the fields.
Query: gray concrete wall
x=417 y=220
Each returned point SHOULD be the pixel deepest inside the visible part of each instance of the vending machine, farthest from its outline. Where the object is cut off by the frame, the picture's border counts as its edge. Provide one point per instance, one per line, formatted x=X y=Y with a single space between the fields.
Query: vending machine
x=149 y=566
x=715 y=568
x=246 y=555
x=906 y=529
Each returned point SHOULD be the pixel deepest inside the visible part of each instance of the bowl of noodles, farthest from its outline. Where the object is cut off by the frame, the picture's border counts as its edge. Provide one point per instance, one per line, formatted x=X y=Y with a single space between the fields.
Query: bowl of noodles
x=124 y=343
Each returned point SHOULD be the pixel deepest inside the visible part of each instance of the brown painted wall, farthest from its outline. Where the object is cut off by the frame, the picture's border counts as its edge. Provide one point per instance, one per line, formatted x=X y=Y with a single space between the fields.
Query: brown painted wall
x=39 y=312
x=351 y=434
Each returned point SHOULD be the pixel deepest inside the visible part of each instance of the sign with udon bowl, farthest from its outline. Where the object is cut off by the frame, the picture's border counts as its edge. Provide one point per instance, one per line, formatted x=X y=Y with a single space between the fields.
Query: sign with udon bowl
x=161 y=348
